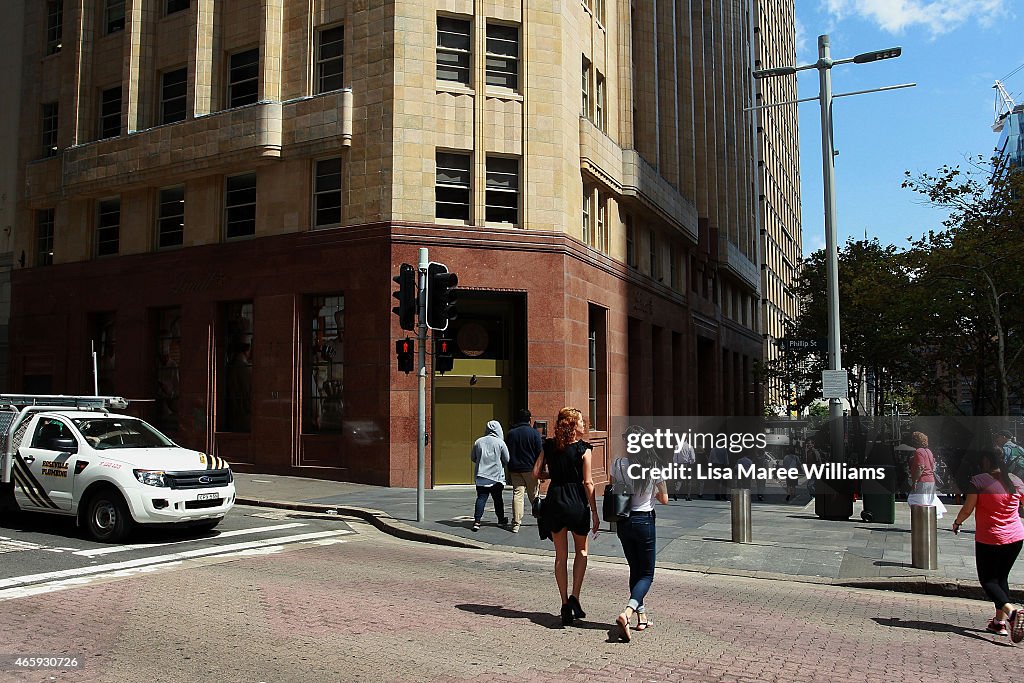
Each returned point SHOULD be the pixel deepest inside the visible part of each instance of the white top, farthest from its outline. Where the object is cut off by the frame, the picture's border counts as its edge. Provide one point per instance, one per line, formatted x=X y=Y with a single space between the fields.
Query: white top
x=641 y=500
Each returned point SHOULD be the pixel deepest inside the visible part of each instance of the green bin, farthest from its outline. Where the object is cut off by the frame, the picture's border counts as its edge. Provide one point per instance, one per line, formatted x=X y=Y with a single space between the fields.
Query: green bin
x=879 y=499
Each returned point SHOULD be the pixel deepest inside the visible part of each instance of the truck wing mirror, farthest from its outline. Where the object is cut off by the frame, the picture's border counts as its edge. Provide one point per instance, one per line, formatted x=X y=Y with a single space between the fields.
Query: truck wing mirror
x=64 y=444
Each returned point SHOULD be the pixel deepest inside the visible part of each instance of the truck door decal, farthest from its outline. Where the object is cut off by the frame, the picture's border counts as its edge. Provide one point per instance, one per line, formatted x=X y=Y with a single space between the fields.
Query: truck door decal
x=29 y=485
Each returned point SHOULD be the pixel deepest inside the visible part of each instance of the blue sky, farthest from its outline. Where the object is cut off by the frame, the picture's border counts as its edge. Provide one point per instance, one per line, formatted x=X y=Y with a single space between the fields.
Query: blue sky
x=954 y=50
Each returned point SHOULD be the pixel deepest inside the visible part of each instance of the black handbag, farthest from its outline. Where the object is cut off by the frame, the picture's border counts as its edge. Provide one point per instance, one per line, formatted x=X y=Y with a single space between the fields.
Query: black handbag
x=537 y=505
x=616 y=506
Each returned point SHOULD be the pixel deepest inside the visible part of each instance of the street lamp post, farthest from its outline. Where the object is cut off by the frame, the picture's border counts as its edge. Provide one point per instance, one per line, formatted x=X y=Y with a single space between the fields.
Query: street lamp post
x=824 y=66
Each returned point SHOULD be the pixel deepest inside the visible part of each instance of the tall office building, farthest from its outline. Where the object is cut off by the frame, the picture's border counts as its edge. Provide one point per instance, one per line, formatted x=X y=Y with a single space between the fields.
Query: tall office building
x=11 y=22
x=778 y=143
x=215 y=195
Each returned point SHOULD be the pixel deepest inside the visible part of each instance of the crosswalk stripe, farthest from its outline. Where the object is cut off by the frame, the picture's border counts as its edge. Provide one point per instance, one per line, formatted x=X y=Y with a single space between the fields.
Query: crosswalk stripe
x=159 y=559
x=106 y=550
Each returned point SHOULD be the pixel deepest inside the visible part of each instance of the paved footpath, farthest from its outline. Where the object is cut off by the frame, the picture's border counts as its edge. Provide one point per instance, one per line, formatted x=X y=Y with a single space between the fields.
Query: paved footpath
x=790 y=542
x=380 y=608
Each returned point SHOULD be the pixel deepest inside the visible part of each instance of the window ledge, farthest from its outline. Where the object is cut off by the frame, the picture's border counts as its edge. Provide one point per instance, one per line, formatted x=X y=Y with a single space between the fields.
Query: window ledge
x=457 y=89
x=452 y=221
x=503 y=94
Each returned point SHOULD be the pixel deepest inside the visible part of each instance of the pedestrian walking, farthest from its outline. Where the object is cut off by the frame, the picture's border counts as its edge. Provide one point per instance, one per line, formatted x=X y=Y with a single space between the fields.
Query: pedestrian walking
x=569 y=505
x=524 y=446
x=994 y=497
x=922 y=475
x=812 y=457
x=489 y=456
x=637 y=531
x=791 y=461
x=685 y=457
x=1013 y=453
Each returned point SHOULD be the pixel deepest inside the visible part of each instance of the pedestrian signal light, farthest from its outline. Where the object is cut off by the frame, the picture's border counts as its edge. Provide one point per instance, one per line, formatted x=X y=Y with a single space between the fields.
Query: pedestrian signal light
x=404 y=349
x=406 y=295
x=444 y=355
x=441 y=296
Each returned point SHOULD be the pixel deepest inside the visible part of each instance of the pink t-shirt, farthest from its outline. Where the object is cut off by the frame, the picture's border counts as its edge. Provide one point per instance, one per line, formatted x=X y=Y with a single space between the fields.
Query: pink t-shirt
x=923 y=459
x=997 y=519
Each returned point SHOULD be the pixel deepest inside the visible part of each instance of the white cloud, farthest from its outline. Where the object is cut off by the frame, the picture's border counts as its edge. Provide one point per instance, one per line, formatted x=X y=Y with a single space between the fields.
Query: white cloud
x=938 y=16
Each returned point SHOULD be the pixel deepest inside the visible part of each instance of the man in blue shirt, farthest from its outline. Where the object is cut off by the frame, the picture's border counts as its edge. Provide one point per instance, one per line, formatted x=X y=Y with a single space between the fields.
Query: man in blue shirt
x=524 y=445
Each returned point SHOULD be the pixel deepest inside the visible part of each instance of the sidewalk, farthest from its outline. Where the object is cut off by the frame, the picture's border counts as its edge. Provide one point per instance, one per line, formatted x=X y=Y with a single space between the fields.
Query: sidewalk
x=789 y=541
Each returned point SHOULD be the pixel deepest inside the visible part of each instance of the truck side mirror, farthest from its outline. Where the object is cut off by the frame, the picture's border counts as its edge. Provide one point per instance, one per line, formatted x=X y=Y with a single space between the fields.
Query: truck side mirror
x=64 y=444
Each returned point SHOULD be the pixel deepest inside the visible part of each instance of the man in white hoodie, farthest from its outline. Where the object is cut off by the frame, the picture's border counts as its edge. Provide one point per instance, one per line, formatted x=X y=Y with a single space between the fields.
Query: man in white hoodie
x=490 y=455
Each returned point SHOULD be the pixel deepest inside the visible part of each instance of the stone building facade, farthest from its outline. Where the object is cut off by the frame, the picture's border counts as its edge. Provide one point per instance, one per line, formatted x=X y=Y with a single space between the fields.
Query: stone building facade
x=215 y=195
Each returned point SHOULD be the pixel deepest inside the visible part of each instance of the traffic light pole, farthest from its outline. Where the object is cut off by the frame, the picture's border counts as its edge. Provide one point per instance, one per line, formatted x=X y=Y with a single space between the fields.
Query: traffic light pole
x=421 y=437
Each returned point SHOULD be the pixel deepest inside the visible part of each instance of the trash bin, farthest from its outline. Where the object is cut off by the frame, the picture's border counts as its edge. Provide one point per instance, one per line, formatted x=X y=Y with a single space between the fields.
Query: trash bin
x=833 y=499
x=880 y=494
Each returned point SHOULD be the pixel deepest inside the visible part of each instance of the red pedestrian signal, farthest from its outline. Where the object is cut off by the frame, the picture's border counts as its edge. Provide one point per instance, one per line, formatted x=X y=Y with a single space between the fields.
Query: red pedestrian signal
x=444 y=355
x=404 y=349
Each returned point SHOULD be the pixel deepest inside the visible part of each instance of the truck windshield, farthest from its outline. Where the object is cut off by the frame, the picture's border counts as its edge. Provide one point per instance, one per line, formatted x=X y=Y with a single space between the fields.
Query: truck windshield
x=110 y=432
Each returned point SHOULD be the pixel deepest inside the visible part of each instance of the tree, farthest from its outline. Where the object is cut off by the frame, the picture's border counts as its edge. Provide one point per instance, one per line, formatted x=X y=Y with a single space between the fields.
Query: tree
x=972 y=275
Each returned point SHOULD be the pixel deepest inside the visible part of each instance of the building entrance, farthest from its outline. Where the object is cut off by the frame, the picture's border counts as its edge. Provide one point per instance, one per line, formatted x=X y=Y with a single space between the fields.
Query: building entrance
x=488 y=377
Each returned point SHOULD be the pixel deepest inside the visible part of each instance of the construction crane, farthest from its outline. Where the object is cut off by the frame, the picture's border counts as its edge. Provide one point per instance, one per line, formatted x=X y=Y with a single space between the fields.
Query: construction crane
x=1004 y=105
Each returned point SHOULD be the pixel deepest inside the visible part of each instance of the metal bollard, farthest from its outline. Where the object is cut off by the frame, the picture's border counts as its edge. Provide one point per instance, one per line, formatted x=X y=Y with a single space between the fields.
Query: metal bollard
x=924 y=546
x=741 y=522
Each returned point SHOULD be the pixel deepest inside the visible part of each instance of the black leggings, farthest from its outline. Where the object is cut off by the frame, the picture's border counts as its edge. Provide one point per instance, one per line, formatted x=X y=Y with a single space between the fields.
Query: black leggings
x=994 y=563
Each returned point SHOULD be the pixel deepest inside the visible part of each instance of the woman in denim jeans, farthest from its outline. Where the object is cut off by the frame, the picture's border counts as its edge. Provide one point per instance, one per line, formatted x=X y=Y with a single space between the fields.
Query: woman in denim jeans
x=637 y=532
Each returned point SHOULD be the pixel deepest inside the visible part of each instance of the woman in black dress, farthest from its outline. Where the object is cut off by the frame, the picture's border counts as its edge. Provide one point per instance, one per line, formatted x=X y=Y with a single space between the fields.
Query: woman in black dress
x=569 y=505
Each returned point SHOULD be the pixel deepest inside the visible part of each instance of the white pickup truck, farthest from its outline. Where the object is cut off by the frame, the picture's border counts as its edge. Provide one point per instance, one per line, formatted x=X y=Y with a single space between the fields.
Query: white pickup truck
x=70 y=455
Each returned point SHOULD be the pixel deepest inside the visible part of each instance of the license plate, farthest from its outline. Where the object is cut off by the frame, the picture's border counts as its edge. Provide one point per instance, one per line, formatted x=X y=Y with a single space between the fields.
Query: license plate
x=208 y=496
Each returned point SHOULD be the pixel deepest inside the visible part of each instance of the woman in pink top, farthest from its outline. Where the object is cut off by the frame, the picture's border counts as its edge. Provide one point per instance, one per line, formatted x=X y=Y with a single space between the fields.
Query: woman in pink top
x=922 y=476
x=995 y=495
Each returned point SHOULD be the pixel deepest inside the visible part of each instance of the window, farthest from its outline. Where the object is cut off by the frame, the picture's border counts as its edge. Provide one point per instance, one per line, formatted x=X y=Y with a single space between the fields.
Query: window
x=240 y=205
x=172 y=95
x=451 y=191
x=453 y=50
x=502 y=190
x=586 y=214
x=244 y=78
x=168 y=362
x=44 y=237
x=600 y=104
x=322 y=401
x=673 y=268
x=630 y=242
x=49 y=429
x=176 y=6
x=49 y=137
x=585 y=111
x=108 y=227
x=600 y=242
x=54 y=25
x=235 y=382
x=652 y=261
x=599 y=10
x=597 y=367
x=327 y=193
x=503 y=56
x=103 y=334
x=171 y=217
x=113 y=15
x=110 y=113
x=330 y=59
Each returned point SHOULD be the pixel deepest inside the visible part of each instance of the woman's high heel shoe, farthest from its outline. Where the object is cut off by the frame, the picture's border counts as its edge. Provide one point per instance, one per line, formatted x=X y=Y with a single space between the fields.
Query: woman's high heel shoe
x=567 y=614
x=577 y=608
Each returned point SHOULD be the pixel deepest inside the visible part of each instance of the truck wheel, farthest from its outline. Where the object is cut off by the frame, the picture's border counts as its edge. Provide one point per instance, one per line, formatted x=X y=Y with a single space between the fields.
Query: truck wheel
x=107 y=518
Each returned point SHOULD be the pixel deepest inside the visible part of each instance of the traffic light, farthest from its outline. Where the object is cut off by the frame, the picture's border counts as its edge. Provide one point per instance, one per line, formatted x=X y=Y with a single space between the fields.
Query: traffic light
x=440 y=296
x=444 y=355
x=404 y=349
x=406 y=295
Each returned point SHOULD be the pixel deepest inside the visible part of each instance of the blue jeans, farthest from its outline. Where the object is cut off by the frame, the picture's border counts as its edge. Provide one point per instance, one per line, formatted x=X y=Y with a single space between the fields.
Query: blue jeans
x=494 y=491
x=638 y=538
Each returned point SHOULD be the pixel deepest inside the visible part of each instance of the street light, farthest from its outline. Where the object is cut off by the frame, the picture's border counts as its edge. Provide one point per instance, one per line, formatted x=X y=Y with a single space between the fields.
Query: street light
x=824 y=66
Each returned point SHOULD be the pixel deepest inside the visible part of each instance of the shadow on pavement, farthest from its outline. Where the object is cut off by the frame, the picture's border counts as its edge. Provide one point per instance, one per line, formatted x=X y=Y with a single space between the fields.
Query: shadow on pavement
x=936 y=627
x=545 y=619
x=882 y=563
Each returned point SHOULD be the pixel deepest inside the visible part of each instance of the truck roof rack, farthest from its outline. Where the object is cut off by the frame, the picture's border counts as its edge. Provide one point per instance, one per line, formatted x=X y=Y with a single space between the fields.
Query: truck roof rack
x=61 y=401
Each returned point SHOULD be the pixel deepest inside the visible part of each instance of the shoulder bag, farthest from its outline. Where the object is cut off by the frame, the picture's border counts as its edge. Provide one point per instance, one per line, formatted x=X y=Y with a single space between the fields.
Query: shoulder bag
x=615 y=506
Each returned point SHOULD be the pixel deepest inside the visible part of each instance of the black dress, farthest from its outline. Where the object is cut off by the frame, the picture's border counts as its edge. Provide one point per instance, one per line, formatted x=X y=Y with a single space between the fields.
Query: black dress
x=566 y=505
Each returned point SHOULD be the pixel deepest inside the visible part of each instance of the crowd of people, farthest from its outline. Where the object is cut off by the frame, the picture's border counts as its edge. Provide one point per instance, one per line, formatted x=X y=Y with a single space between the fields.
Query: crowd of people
x=994 y=495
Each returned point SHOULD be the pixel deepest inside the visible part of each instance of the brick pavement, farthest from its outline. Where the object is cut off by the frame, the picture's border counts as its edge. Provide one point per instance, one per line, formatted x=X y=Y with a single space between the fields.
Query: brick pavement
x=383 y=609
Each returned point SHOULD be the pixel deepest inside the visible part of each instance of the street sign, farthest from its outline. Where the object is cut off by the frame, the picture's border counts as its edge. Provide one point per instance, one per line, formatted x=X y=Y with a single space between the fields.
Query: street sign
x=804 y=345
x=835 y=384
